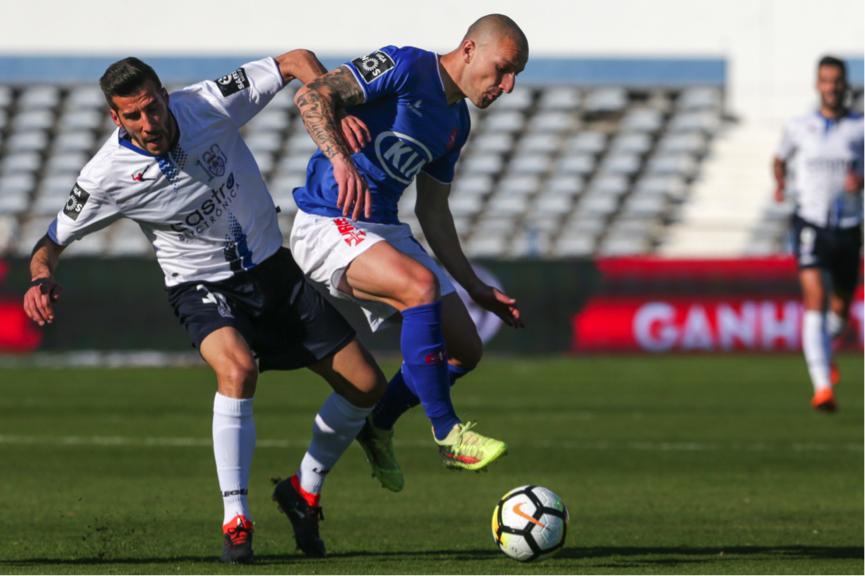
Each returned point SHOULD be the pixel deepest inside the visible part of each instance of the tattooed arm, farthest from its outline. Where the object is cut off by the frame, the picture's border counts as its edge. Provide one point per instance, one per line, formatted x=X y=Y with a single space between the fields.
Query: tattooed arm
x=304 y=66
x=318 y=102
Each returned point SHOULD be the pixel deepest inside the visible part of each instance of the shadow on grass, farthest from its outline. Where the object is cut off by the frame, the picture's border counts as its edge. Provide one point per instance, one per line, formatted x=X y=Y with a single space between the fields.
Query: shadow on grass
x=630 y=556
x=621 y=557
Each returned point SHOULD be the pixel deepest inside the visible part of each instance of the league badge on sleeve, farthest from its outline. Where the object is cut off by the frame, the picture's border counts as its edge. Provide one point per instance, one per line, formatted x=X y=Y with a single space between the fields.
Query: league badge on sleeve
x=75 y=204
x=233 y=83
x=373 y=66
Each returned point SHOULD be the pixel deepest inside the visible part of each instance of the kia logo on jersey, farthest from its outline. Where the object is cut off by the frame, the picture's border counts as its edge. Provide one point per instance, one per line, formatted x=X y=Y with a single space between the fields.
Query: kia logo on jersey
x=401 y=156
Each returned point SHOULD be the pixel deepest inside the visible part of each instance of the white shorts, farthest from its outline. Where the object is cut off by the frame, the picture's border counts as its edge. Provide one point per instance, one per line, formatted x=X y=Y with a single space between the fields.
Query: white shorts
x=323 y=247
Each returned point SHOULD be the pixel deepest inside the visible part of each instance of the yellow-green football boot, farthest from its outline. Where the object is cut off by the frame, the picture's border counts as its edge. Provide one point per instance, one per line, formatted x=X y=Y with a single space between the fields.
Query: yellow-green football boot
x=467 y=450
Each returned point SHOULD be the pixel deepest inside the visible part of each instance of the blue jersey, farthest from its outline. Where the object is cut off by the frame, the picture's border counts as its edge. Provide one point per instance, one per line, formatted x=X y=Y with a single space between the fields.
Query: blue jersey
x=412 y=130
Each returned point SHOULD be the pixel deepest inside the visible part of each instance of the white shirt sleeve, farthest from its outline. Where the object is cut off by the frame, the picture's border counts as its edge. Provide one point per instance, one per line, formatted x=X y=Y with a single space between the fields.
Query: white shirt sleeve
x=788 y=144
x=87 y=210
x=243 y=93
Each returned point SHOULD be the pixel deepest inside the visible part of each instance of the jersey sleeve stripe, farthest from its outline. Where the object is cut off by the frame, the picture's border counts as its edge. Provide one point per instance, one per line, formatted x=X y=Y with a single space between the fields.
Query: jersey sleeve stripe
x=278 y=71
x=52 y=233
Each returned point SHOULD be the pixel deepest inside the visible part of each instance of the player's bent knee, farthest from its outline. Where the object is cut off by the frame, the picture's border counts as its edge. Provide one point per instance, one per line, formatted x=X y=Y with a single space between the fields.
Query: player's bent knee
x=238 y=380
x=363 y=393
x=423 y=289
x=368 y=387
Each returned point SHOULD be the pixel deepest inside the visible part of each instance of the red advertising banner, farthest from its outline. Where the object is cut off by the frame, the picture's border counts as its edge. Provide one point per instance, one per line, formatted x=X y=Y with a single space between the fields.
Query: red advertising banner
x=634 y=315
x=17 y=332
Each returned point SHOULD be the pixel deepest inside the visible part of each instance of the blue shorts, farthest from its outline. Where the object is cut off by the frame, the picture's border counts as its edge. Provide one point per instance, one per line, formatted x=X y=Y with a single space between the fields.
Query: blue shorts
x=835 y=250
x=284 y=319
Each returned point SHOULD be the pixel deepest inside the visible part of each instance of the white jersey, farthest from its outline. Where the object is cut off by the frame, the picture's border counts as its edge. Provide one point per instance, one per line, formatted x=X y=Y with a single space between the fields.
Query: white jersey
x=203 y=204
x=825 y=151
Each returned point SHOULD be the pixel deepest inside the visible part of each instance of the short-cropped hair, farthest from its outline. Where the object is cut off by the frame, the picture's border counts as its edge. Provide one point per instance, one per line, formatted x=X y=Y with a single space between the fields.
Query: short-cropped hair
x=127 y=77
x=832 y=61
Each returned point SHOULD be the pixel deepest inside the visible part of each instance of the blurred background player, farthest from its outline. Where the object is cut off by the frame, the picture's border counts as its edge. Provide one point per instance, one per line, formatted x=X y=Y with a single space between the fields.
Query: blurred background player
x=827 y=225
x=413 y=102
x=178 y=166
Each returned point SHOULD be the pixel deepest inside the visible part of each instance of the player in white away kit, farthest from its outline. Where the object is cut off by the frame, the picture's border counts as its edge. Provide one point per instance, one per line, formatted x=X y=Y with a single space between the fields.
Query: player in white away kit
x=178 y=166
x=828 y=149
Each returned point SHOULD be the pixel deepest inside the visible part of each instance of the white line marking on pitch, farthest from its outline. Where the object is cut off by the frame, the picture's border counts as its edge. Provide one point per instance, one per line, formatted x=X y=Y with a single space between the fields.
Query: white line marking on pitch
x=559 y=445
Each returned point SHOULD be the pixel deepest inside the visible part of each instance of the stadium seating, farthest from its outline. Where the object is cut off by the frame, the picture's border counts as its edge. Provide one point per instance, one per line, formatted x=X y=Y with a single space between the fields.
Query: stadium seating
x=548 y=172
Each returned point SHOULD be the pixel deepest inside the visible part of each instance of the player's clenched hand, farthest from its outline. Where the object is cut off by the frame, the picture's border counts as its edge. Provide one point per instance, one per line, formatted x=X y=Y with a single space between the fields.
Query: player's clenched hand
x=779 y=194
x=353 y=131
x=499 y=304
x=40 y=298
x=354 y=193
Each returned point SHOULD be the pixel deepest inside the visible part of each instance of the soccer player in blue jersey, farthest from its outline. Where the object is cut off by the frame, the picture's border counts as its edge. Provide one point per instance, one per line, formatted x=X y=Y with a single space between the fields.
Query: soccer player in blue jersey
x=348 y=236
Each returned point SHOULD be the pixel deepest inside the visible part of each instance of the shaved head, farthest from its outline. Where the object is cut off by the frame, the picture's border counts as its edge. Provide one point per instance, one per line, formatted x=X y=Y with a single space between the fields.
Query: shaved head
x=493 y=27
x=486 y=63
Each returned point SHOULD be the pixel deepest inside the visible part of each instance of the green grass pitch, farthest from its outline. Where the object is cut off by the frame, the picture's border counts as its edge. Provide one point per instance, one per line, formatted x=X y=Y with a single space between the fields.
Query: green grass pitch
x=676 y=464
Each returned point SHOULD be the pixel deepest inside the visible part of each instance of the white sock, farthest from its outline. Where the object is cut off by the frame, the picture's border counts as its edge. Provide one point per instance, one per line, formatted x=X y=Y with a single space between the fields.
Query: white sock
x=835 y=324
x=233 y=446
x=336 y=426
x=814 y=338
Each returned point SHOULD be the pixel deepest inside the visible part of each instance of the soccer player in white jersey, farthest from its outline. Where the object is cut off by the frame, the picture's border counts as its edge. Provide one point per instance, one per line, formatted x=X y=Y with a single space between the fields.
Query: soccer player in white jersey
x=178 y=167
x=825 y=149
x=414 y=104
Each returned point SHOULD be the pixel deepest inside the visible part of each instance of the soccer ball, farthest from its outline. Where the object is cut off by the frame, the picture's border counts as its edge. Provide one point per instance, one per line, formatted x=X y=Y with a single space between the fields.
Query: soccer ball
x=530 y=524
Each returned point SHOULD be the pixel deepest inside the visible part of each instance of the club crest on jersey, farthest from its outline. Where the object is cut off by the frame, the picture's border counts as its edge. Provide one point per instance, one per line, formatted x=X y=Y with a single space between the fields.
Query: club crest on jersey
x=373 y=66
x=350 y=234
x=75 y=204
x=233 y=83
x=401 y=156
x=213 y=160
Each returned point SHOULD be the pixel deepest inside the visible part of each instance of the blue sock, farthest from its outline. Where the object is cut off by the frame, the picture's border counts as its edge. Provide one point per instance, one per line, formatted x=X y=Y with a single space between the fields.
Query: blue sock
x=398 y=399
x=456 y=373
x=400 y=396
x=426 y=364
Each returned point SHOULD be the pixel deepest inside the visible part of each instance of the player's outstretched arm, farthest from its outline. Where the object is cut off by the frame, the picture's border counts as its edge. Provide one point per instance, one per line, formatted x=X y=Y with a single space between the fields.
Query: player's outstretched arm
x=434 y=216
x=44 y=290
x=318 y=103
